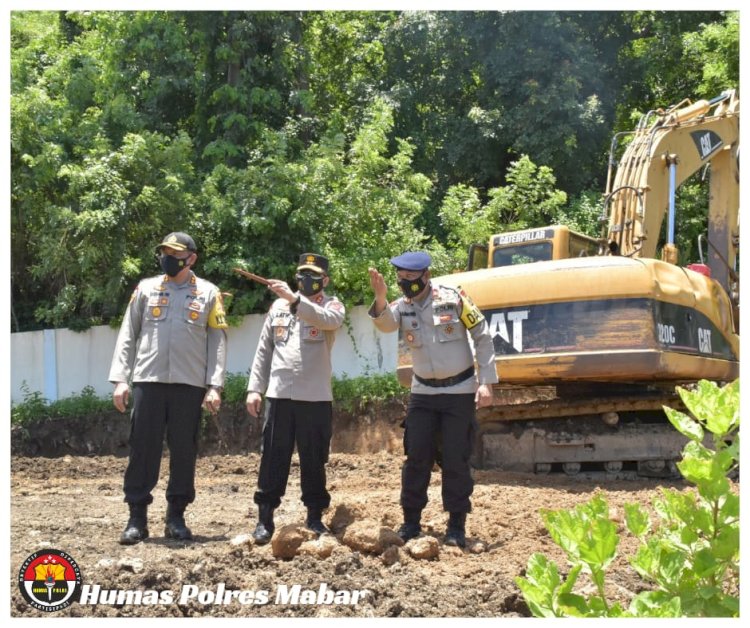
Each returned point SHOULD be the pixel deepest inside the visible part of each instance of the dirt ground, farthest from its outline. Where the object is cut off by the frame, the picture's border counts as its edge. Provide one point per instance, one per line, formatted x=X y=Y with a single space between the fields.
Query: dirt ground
x=74 y=504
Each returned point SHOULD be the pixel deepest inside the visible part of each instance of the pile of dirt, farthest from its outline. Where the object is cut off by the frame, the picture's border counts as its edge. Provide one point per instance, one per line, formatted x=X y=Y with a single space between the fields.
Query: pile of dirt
x=74 y=504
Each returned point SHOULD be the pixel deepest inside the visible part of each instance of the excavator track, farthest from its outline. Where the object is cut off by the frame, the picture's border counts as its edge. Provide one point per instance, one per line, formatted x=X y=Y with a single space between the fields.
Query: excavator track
x=582 y=430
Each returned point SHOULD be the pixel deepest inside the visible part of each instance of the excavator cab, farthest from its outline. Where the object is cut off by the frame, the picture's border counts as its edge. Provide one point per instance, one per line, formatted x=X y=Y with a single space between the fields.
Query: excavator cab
x=531 y=245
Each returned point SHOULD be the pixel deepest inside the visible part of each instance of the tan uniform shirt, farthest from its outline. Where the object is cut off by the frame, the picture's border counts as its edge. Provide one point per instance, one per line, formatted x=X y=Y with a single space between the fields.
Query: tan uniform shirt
x=293 y=358
x=173 y=334
x=436 y=332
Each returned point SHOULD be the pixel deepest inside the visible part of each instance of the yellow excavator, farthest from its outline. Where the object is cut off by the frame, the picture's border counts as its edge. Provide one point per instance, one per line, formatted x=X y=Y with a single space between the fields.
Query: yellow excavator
x=593 y=334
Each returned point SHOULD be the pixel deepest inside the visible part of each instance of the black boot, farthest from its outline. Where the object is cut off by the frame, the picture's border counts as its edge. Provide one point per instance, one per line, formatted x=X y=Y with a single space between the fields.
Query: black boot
x=315 y=521
x=456 y=532
x=411 y=528
x=175 y=527
x=135 y=530
x=264 y=528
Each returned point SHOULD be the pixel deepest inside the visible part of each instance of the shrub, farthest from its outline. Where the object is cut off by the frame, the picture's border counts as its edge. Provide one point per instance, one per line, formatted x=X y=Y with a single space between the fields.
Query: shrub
x=690 y=555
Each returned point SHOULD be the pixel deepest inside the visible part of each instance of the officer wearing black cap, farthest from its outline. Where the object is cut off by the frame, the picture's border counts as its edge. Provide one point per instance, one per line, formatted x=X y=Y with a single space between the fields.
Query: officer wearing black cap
x=172 y=347
x=434 y=320
x=292 y=366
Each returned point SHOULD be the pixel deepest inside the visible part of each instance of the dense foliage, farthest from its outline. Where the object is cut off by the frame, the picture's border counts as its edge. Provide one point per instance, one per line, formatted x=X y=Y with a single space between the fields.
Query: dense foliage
x=351 y=394
x=356 y=134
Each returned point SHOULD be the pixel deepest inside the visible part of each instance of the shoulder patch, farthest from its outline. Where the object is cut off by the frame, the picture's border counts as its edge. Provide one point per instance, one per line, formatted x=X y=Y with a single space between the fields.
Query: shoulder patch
x=471 y=315
x=217 y=318
x=336 y=305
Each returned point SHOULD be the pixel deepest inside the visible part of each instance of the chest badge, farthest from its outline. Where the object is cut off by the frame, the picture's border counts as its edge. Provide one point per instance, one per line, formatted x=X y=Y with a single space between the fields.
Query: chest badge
x=409 y=337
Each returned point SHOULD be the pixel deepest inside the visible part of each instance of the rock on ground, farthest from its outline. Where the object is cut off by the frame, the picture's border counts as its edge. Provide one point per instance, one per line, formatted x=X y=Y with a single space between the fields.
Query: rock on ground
x=64 y=506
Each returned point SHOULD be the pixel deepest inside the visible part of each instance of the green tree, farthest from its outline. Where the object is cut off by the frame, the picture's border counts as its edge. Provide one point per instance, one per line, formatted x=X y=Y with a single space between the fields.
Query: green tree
x=300 y=127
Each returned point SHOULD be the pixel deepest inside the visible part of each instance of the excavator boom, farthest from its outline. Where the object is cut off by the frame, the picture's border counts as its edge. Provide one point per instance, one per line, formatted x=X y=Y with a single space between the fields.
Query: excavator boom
x=666 y=148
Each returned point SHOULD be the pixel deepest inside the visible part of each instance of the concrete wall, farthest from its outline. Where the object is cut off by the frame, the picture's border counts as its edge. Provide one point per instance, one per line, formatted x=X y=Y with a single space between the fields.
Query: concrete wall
x=59 y=362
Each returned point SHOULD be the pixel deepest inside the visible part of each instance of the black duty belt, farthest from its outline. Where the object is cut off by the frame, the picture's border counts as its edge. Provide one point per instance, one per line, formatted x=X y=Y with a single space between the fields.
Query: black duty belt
x=446 y=381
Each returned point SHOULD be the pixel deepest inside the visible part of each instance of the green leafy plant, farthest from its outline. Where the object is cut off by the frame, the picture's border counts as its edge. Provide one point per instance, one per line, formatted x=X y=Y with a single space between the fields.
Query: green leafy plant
x=352 y=394
x=35 y=407
x=235 y=388
x=690 y=555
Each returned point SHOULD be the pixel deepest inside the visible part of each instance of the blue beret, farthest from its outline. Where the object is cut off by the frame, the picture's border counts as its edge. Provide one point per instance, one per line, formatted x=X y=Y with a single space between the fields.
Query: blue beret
x=412 y=260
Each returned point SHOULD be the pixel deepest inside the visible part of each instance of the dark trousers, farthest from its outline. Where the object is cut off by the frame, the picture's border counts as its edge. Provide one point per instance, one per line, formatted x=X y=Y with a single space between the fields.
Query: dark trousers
x=447 y=421
x=159 y=408
x=308 y=424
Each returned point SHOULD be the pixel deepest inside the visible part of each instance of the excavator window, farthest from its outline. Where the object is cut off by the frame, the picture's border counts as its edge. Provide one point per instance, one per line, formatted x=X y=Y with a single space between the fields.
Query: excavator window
x=582 y=246
x=522 y=254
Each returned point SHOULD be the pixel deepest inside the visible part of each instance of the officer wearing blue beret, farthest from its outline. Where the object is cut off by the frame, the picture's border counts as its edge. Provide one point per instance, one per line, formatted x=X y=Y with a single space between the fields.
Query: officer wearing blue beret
x=436 y=322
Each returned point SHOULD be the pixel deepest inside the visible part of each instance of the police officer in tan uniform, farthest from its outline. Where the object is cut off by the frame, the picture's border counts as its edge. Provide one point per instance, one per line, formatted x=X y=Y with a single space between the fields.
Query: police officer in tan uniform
x=172 y=347
x=434 y=320
x=292 y=366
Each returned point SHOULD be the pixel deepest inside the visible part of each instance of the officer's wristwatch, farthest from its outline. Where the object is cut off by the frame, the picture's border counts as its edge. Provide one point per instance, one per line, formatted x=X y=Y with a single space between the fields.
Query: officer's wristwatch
x=218 y=389
x=293 y=306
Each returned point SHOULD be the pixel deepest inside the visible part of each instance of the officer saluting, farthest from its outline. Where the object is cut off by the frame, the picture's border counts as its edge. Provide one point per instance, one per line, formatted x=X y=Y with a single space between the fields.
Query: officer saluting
x=434 y=320
x=292 y=366
x=172 y=346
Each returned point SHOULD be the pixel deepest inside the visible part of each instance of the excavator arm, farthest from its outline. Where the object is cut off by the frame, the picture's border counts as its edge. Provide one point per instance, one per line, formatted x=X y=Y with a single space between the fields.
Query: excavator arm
x=667 y=147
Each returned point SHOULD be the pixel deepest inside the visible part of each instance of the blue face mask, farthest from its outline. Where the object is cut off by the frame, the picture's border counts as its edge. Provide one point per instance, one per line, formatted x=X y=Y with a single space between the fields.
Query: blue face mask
x=172 y=265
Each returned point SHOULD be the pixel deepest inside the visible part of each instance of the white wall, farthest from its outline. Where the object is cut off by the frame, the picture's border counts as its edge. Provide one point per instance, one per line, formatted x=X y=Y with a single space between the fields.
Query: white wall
x=69 y=360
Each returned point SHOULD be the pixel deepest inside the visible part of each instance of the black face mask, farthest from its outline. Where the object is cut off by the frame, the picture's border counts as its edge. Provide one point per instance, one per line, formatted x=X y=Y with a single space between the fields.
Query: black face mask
x=172 y=265
x=309 y=284
x=412 y=287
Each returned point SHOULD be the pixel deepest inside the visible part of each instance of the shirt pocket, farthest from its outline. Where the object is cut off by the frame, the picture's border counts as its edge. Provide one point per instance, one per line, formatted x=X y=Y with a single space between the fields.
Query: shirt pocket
x=157 y=308
x=280 y=328
x=310 y=333
x=195 y=312
x=411 y=331
x=448 y=326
